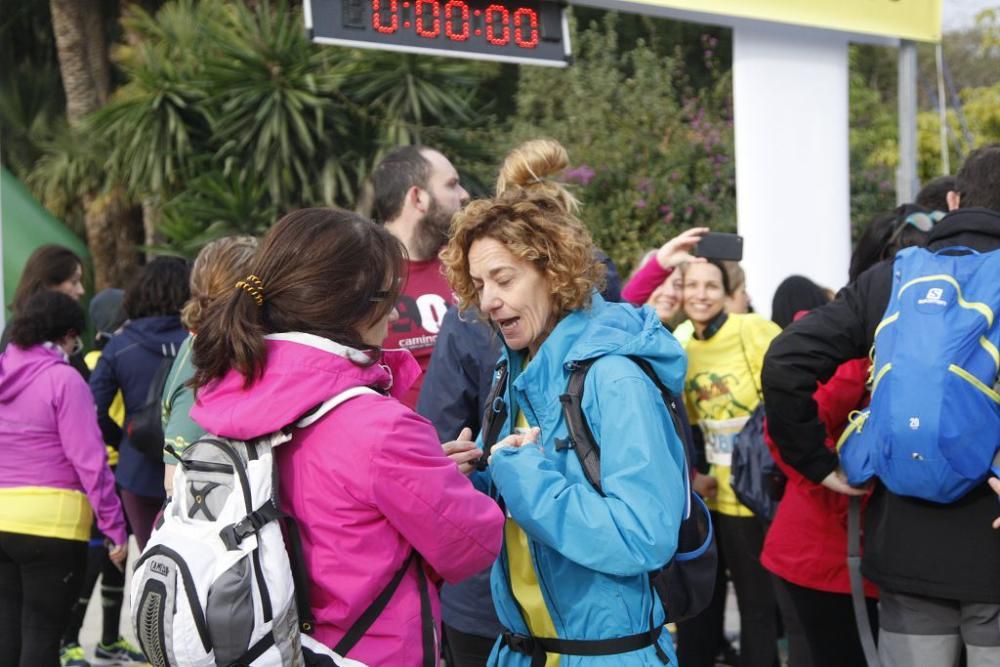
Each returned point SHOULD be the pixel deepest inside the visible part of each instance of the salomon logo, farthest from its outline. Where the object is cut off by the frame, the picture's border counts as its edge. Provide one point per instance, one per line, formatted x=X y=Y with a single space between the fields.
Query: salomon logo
x=159 y=568
x=933 y=297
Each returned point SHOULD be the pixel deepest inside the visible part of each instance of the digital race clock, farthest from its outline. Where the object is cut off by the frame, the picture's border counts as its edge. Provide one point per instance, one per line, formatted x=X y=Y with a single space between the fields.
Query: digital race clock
x=521 y=31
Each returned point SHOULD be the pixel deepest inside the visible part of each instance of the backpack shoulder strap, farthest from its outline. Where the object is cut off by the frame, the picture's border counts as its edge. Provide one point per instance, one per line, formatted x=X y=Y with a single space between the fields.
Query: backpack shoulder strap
x=495 y=413
x=586 y=447
x=369 y=615
x=328 y=405
x=584 y=443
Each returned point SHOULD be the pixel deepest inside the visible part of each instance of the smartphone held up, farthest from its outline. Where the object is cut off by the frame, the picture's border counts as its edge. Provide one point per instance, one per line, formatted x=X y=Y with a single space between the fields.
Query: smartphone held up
x=719 y=245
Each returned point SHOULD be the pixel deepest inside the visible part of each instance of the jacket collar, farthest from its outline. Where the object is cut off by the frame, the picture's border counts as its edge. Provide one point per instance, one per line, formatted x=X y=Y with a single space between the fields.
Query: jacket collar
x=974 y=227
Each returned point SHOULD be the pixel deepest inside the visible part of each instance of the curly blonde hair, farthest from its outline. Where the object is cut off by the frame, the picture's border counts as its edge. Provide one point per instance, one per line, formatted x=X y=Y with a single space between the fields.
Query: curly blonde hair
x=533 y=216
x=532 y=166
x=536 y=229
x=215 y=272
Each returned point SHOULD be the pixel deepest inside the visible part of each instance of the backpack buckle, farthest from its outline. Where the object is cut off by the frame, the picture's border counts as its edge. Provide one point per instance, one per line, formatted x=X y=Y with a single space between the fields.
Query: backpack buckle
x=233 y=534
x=519 y=643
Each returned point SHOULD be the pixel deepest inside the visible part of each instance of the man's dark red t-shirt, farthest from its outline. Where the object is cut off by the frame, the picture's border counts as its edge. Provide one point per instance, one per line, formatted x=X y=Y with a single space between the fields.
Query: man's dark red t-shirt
x=422 y=304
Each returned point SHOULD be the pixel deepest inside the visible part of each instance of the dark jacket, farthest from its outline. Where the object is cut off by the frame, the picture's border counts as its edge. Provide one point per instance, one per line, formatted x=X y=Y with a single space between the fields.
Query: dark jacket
x=128 y=363
x=453 y=396
x=911 y=546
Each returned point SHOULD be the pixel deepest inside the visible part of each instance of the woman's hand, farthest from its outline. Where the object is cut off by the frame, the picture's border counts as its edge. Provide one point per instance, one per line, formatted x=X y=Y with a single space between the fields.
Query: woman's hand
x=705 y=486
x=995 y=483
x=515 y=440
x=677 y=250
x=837 y=481
x=118 y=553
x=463 y=451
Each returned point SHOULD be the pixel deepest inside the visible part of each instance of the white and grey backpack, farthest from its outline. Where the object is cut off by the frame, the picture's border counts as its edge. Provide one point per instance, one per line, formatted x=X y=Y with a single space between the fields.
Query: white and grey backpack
x=215 y=584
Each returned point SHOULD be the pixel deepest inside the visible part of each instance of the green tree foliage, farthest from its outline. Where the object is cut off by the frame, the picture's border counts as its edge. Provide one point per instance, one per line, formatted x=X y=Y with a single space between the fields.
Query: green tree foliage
x=651 y=155
x=226 y=102
x=873 y=120
x=981 y=110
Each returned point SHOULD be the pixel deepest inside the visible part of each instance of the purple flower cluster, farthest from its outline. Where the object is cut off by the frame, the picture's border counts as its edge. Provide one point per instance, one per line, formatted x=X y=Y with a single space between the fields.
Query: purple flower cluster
x=582 y=175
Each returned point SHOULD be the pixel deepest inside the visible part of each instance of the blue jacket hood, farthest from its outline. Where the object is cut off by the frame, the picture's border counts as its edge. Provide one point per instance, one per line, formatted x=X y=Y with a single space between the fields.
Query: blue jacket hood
x=607 y=328
x=156 y=334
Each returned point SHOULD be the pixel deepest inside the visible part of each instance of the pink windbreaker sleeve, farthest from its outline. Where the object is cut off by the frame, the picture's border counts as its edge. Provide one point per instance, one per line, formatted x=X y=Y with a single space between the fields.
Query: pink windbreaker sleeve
x=457 y=529
x=642 y=284
x=81 y=439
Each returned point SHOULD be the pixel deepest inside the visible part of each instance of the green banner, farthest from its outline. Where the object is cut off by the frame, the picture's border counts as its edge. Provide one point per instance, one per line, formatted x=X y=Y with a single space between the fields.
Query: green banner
x=25 y=225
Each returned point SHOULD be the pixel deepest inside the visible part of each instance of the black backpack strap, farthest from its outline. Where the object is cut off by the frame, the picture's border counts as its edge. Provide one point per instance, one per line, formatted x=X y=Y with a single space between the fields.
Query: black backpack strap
x=495 y=414
x=677 y=414
x=368 y=616
x=584 y=443
x=427 y=625
x=300 y=575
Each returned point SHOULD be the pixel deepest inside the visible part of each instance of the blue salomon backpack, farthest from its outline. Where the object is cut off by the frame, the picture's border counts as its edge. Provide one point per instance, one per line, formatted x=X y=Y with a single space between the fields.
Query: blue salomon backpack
x=932 y=429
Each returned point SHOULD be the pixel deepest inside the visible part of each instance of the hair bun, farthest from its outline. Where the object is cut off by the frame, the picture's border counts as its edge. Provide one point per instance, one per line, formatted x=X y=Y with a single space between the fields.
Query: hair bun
x=531 y=163
x=530 y=166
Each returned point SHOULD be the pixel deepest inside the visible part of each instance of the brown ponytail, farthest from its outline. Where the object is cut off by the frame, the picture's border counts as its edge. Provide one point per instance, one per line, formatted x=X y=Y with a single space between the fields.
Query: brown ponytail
x=322 y=271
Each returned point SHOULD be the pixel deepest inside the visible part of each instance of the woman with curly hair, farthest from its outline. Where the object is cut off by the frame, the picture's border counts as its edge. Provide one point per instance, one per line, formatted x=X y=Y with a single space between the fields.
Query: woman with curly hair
x=571 y=585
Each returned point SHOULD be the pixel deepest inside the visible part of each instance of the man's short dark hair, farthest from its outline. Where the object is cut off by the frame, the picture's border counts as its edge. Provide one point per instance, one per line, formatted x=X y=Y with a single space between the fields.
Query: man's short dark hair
x=398 y=171
x=978 y=181
x=934 y=195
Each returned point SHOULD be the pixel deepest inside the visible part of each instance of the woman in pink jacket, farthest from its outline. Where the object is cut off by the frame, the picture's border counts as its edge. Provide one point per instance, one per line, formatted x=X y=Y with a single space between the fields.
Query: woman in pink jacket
x=372 y=491
x=54 y=477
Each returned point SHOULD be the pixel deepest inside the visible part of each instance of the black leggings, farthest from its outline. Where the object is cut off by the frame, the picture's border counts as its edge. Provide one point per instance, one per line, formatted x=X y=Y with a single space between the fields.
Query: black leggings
x=742 y=539
x=39 y=580
x=700 y=639
x=112 y=593
x=829 y=625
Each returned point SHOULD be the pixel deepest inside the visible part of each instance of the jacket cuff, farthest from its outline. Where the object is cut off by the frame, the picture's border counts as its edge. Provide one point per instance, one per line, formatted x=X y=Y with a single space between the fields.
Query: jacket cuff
x=816 y=469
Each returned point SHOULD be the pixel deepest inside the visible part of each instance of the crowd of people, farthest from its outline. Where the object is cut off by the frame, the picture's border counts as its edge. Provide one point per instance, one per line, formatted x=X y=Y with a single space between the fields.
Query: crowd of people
x=452 y=485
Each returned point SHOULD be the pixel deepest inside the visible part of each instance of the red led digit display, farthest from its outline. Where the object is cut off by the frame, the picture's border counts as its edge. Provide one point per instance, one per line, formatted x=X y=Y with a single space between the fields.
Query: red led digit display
x=385 y=19
x=522 y=16
x=527 y=31
x=497 y=18
x=423 y=20
x=451 y=20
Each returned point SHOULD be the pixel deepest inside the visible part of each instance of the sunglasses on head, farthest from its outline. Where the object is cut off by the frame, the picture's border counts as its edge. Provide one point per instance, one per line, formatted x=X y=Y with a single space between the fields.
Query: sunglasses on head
x=922 y=220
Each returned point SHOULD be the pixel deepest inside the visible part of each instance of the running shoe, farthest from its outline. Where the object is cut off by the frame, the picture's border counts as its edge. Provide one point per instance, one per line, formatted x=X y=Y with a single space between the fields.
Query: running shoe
x=119 y=653
x=71 y=655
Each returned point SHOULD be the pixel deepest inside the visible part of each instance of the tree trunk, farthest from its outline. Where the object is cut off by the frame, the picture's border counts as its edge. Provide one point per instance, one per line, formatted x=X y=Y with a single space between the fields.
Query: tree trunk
x=113 y=229
x=151 y=215
x=74 y=63
x=114 y=233
x=98 y=62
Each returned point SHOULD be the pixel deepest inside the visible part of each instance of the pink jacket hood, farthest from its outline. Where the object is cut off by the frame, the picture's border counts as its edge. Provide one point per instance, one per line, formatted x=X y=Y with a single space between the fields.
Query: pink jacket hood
x=302 y=371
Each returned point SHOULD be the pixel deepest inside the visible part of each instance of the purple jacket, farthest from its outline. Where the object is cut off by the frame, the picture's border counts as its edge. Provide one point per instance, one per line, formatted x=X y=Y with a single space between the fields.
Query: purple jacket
x=367 y=483
x=49 y=435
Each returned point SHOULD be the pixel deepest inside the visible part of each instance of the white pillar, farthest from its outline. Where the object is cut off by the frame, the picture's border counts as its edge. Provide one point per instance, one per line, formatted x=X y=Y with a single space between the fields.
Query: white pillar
x=790 y=96
x=907 y=183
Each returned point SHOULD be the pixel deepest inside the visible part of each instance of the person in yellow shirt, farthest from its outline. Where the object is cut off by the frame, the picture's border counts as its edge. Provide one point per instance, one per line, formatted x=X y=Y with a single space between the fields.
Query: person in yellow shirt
x=721 y=390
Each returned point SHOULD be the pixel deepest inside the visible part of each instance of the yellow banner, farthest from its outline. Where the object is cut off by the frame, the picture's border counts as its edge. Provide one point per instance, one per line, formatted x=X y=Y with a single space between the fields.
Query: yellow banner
x=907 y=19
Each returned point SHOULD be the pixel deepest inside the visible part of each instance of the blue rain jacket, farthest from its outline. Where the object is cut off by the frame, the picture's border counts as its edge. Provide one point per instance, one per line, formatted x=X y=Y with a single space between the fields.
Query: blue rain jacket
x=592 y=554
